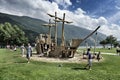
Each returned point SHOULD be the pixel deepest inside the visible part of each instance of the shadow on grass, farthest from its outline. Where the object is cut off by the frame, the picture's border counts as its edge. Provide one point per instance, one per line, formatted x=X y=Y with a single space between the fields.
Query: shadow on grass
x=77 y=68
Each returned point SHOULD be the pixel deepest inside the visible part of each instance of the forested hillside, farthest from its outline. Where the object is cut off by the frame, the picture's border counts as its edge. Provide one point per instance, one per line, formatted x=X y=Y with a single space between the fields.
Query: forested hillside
x=33 y=27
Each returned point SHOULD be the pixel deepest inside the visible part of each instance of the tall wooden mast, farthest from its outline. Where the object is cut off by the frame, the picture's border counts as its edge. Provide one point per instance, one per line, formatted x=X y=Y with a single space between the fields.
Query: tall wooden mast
x=55 y=26
x=57 y=19
x=49 y=25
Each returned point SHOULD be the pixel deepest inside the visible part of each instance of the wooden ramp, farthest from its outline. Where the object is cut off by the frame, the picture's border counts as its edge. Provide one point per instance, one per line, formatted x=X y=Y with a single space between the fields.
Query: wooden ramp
x=76 y=43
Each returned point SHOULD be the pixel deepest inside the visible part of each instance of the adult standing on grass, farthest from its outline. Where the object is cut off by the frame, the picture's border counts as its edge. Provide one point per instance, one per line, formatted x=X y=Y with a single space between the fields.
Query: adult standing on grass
x=89 y=60
x=29 y=52
x=23 y=50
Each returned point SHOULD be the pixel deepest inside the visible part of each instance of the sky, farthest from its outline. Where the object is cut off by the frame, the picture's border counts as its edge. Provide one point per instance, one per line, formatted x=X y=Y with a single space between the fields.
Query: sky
x=83 y=13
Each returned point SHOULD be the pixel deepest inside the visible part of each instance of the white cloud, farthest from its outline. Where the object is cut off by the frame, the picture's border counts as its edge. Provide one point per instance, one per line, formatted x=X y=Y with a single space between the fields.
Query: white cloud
x=115 y=18
x=32 y=8
x=79 y=11
x=64 y=3
x=68 y=2
x=40 y=8
x=117 y=7
x=78 y=1
x=112 y=29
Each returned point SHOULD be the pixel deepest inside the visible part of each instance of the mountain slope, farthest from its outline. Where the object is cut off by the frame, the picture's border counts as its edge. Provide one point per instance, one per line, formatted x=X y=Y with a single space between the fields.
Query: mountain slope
x=33 y=27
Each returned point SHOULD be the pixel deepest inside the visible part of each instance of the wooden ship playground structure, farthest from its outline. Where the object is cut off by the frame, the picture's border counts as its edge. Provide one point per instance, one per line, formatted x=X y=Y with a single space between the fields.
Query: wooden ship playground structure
x=46 y=46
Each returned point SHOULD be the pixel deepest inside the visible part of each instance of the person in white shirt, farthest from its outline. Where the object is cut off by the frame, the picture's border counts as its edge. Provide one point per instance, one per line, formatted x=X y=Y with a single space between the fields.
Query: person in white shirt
x=23 y=50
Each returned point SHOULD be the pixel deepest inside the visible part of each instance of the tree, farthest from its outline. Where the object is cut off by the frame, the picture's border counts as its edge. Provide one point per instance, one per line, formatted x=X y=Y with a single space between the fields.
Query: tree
x=12 y=34
x=103 y=43
x=111 y=40
x=20 y=35
x=116 y=44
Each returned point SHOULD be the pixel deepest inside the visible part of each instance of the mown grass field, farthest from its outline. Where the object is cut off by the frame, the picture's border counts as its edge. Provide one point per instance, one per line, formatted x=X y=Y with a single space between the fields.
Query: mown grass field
x=104 y=50
x=15 y=67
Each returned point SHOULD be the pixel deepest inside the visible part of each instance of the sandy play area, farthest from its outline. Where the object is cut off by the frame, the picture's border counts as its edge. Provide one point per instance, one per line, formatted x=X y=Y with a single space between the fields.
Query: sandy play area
x=77 y=59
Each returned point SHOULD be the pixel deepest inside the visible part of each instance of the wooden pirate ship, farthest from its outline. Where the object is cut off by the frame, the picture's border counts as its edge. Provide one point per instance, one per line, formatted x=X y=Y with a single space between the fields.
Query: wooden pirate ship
x=46 y=46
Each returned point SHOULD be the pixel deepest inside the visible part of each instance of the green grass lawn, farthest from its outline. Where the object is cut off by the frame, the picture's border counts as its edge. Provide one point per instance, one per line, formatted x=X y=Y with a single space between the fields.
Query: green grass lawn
x=15 y=67
x=105 y=50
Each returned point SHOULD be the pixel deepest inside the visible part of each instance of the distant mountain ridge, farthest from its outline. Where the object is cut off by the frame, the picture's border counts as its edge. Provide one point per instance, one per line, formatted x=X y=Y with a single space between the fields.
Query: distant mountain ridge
x=33 y=27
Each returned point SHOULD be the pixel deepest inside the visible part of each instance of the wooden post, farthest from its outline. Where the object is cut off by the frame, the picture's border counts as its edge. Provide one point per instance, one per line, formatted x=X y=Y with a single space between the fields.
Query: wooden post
x=63 y=36
x=49 y=28
x=49 y=32
x=55 y=29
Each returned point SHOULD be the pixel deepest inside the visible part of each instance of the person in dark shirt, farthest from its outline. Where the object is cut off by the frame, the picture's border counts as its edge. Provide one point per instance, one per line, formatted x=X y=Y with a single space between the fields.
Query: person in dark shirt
x=98 y=56
x=89 y=60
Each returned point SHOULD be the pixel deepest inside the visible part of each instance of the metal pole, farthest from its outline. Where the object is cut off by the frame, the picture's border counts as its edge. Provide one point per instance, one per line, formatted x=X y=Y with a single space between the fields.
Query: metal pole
x=95 y=43
x=96 y=38
x=86 y=45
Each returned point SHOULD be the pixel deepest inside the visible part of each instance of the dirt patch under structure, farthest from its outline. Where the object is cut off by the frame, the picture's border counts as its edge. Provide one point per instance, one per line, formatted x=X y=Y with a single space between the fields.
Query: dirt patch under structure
x=77 y=59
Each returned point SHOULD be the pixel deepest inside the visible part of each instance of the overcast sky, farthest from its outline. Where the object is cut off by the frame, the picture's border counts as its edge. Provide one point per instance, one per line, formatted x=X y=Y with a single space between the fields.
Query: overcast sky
x=84 y=13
